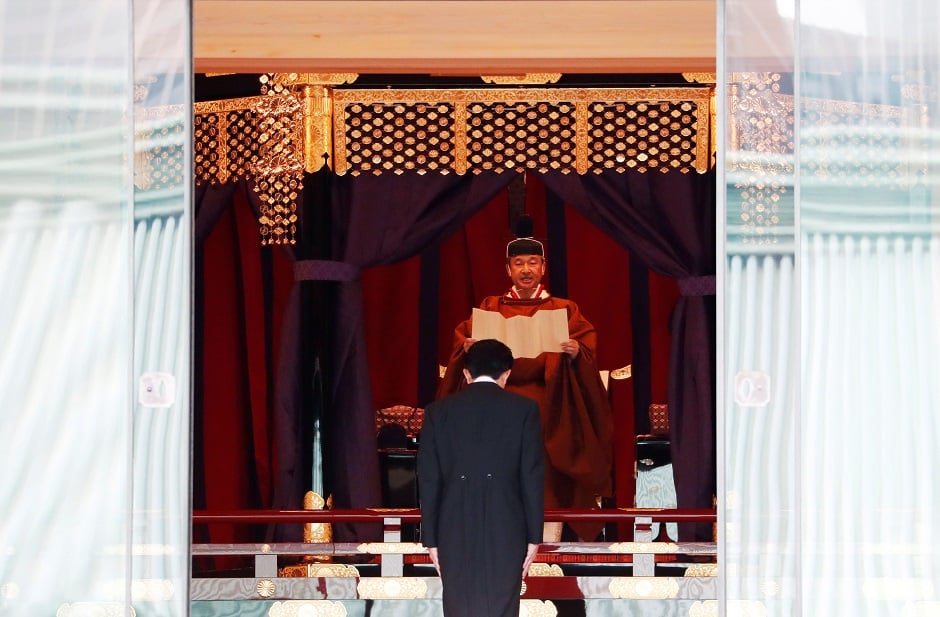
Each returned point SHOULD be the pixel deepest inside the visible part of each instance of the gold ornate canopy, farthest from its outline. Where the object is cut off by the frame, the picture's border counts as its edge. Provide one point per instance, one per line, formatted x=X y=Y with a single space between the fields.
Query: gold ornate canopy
x=302 y=121
x=543 y=129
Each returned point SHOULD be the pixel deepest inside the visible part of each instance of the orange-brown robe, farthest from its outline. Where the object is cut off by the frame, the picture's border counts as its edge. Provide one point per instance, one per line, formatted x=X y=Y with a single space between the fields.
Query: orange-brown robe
x=577 y=426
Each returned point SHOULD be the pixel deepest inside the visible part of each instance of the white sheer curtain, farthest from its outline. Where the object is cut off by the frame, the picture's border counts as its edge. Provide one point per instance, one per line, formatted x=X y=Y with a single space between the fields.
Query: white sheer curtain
x=68 y=432
x=831 y=500
x=760 y=529
x=94 y=288
x=832 y=281
x=162 y=435
x=871 y=391
x=66 y=457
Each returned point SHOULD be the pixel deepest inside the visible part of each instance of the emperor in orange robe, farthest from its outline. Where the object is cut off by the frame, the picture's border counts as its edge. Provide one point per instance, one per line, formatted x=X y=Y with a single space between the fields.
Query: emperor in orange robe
x=575 y=411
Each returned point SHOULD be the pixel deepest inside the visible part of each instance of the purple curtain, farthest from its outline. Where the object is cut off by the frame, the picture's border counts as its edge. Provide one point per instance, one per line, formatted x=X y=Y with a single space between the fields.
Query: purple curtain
x=380 y=220
x=668 y=221
x=211 y=201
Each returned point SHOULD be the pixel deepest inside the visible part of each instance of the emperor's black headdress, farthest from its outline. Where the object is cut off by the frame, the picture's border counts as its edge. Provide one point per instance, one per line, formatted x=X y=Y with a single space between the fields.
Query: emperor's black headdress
x=524 y=244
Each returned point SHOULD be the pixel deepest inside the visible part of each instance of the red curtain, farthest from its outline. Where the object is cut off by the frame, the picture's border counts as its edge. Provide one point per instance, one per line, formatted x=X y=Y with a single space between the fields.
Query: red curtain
x=243 y=288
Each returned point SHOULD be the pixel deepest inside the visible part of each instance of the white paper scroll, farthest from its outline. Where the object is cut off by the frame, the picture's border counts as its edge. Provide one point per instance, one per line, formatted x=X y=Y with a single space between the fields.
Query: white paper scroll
x=527 y=337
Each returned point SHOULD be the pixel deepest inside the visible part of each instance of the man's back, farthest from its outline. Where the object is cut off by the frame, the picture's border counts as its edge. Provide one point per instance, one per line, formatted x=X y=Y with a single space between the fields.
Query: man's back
x=481 y=481
x=480 y=430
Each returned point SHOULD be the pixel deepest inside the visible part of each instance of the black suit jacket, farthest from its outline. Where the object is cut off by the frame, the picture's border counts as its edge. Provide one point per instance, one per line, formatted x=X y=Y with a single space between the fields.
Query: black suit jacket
x=481 y=481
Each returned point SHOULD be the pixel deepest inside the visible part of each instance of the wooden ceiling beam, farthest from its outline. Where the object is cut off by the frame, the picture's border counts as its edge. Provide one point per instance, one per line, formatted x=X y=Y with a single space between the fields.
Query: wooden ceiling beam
x=507 y=37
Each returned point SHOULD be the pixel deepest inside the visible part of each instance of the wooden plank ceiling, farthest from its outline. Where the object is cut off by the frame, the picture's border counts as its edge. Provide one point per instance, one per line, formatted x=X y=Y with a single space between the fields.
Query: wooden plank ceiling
x=455 y=37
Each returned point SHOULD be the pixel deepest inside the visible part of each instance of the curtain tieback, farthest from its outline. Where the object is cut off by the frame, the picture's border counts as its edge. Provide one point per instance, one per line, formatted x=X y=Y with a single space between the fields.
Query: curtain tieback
x=324 y=270
x=697 y=286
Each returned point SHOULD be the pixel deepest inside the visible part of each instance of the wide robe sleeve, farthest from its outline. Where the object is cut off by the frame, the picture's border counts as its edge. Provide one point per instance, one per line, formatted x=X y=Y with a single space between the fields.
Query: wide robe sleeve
x=454 y=379
x=579 y=436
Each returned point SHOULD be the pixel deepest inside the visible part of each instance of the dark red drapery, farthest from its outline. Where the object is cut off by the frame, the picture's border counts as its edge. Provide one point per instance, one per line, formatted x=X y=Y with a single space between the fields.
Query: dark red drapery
x=381 y=224
x=668 y=220
x=241 y=291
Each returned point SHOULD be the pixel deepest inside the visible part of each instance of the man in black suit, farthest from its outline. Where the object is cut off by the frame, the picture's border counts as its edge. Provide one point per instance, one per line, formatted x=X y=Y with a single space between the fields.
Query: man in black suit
x=481 y=480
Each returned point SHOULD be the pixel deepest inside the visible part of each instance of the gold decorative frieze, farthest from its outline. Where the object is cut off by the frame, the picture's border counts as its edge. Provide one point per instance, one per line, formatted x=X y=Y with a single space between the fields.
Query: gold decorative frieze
x=700 y=78
x=265 y=588
x=632 y=548
x=391 y=548
x=315 y=92
x=278 y=168
x=278 y=82
x=568 y=129
x=317 y=533
x=319 y=570
x=391 y=588
x=528 y=79
x=301 y=124
x=237 y=139
x=702 y=569
x=256 y=138
x=537 y=608
x=624 y=372
x=644 y=588
x=307 y=608
x=227 y=137
x=545 y=569
x=318 y=130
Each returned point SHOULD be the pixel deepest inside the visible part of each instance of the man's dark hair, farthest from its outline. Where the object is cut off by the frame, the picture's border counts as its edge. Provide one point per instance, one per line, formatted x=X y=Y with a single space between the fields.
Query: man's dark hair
x=488 y=357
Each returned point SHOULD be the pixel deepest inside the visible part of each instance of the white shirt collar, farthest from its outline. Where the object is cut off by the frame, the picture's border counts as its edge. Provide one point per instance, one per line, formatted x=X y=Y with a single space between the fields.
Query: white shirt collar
x=540 y=293
x=483 y=378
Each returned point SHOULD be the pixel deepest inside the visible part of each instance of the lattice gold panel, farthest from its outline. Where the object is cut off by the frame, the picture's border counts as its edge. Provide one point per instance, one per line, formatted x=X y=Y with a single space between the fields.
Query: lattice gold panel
x=243 y=137
x=568 y=129
x=207 y=148
x=501 y=136
x=226 y=138
x=395 y=137
x=644 y=134
x=256 y=138
x=262 y=139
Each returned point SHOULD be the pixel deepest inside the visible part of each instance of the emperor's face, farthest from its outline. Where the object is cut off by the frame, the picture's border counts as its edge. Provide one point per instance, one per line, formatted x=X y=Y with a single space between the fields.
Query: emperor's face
x=526 y=271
